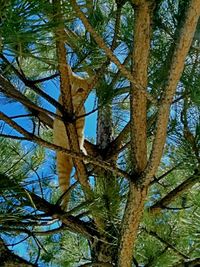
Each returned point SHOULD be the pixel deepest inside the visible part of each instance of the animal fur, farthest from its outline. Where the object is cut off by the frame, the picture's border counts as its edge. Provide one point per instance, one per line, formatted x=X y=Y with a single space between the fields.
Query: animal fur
x=65 y=162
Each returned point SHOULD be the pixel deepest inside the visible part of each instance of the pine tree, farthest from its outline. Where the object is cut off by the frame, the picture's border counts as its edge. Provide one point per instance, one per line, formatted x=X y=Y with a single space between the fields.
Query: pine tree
x=134 y=199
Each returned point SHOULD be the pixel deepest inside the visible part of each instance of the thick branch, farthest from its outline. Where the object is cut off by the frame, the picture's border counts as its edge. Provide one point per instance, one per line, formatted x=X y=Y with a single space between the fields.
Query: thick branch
x=138 y=130
x=183 y=44
x=66 y=93
x=138 y=100
x=31 y=84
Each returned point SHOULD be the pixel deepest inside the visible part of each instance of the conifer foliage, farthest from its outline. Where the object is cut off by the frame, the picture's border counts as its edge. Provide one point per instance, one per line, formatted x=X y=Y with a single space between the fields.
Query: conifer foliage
x=134 y=198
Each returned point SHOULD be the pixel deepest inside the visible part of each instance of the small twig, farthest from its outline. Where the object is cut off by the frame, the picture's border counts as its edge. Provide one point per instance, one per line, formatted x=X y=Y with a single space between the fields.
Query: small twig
x=45 y=78
x=157 y=179
x=66 y=193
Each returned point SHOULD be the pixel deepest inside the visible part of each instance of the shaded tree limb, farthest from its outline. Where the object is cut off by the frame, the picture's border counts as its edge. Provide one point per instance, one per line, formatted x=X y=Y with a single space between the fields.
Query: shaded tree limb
x=172 y=195
x=41 y=80
x=188 y=263
x=32 y=85
x=30 y=233
x=9 y=90
x=53 y=210
x=70 y=222
x=117 y=142
x=8 y=258
x=157 y=179
x=115 y=146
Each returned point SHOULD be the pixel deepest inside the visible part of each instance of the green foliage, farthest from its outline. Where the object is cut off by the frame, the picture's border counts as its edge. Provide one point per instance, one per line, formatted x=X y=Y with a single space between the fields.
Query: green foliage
x=27 y=40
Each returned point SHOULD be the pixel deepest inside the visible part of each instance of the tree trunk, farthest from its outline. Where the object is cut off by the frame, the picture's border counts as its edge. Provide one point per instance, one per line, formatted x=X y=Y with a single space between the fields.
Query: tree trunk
x=104 y=251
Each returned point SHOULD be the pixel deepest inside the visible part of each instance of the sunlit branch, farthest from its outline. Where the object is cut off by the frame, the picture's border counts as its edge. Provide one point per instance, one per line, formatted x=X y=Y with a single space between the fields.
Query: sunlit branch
x=107 y=50
x=185 y=33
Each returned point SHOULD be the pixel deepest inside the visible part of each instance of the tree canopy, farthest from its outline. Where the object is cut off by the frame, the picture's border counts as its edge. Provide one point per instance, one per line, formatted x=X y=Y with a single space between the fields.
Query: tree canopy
x=134 y=198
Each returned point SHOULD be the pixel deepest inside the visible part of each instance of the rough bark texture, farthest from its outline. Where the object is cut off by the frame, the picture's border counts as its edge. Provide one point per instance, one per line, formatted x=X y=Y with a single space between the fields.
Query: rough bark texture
x=138 y=105
x=138 y=191
x=184 y=41
x=138 y=100
x=103 y=250
x=133 y=213
x=67 y=97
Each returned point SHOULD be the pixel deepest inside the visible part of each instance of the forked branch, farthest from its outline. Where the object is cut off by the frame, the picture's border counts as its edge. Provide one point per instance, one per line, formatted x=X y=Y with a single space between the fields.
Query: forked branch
x=185 y=36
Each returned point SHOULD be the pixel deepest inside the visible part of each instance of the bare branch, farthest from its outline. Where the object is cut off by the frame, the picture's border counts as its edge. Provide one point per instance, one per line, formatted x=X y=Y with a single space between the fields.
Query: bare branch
x=157 y=179
x=45 y=78
x=138 y=100
x=31 y=84
x=8 y=89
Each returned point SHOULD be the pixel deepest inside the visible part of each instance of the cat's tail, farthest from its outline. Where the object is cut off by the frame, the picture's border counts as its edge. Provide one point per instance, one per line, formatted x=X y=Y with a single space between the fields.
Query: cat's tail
x=64 y=168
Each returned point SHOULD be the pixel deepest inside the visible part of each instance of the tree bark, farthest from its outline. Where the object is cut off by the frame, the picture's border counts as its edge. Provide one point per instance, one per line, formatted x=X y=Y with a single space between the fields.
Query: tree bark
x=138 y=129
x=139 y=188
